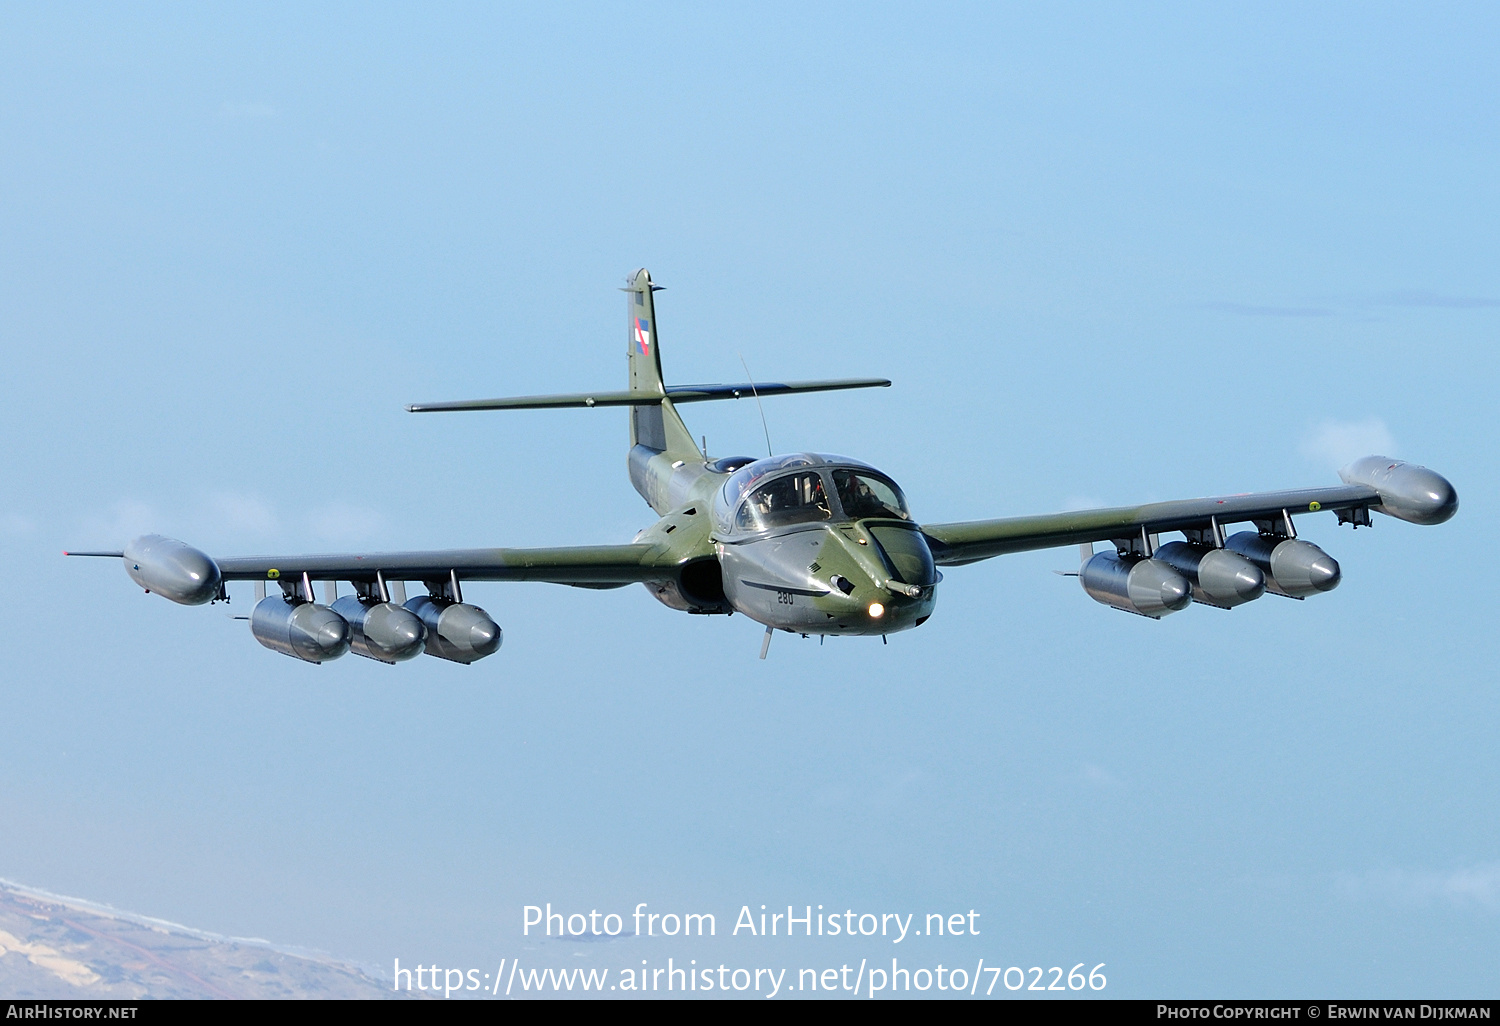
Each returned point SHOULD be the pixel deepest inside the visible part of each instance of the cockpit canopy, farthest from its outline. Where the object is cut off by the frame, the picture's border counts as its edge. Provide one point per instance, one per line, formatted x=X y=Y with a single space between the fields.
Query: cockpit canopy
x=803 y=488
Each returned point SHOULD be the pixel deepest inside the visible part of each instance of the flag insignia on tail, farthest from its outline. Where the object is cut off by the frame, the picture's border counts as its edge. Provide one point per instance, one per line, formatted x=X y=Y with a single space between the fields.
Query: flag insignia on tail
x=643 y=335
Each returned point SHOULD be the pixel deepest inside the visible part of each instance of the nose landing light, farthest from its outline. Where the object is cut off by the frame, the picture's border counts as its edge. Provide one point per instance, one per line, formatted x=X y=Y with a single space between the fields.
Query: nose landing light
x=876 y=610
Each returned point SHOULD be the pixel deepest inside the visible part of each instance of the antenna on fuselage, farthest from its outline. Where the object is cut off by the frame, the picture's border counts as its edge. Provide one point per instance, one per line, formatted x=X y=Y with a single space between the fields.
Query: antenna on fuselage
x=755 y=392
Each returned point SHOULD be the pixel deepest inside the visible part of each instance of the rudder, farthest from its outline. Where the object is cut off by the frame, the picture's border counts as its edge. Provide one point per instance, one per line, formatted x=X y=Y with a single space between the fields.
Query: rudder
x=656 y=427
x=645 y=358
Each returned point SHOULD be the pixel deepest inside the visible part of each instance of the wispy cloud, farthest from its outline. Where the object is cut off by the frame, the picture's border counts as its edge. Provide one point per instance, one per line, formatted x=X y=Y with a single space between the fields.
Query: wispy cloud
x=14 y=525
x=1365 y=304
x=829 y=795
x=1419 y=297
x=1468 y=887
x=1098 y=777
x=1267 y=310
x=238 y=513
x=251 y=111
x=1334 y=443
x=346 y=523
x=118 y=523
x=232 y=520
x=881 y=791
x=896 y=788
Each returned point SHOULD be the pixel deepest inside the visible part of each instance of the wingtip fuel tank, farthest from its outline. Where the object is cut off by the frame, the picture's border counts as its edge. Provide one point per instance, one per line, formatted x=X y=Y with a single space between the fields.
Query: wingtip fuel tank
x=1407 y=492
x=172 y=569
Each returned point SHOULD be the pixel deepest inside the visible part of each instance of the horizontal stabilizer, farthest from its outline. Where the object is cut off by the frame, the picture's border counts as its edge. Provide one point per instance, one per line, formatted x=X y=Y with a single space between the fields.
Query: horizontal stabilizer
x=677 y=393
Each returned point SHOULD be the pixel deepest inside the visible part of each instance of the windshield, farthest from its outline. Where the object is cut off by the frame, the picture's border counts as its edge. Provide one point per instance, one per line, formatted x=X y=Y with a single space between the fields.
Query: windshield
x=804 y=487
x=863 y=495
x=740 y=481
x=794 y=499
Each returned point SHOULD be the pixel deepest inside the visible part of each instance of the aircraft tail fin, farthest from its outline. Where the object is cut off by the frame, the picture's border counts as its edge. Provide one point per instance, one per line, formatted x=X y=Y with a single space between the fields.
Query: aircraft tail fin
x=645 y=358
x=656 y=425
x=660 y=443
x=654 y=421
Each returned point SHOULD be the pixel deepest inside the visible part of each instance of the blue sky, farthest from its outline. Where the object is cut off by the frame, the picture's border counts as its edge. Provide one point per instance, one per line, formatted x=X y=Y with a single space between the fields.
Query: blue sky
x=1107 y=255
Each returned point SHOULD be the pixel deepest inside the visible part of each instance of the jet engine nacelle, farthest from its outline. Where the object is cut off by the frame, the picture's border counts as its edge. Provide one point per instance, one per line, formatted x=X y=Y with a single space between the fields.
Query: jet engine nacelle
x=173 y=570
x=698 y=588
x=1292 y=567
x=302 y=630
x=456 y=631
x=1219 y=578
x=1146 y=586
x=382 y=631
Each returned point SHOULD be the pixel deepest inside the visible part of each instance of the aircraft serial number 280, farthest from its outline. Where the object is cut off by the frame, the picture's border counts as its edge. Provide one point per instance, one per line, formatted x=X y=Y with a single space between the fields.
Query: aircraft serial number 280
x=808 y=543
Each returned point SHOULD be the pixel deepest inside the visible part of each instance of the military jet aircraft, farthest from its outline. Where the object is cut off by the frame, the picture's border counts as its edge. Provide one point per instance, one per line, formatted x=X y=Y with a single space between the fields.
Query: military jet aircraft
x=809 y=543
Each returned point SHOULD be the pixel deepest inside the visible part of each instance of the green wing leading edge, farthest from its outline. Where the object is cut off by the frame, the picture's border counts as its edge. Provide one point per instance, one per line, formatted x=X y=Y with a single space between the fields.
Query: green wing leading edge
x=808 y=543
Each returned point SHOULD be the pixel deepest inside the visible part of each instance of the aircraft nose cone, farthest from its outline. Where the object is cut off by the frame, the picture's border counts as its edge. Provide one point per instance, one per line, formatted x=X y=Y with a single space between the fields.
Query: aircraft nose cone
x=1324 y=573
x=485 y=638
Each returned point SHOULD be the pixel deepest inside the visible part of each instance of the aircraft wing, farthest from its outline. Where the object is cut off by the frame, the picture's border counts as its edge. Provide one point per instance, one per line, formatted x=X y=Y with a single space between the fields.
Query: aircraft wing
x=1396 y=488
x=973 y=540
x=587 y=566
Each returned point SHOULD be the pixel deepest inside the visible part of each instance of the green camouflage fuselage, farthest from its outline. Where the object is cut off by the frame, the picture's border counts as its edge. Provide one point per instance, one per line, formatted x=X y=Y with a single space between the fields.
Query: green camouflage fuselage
x=833 y=576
